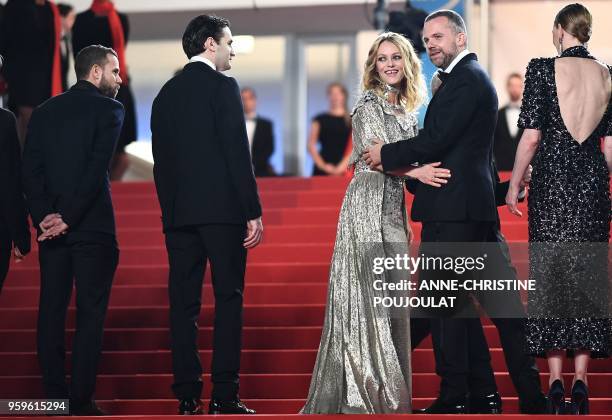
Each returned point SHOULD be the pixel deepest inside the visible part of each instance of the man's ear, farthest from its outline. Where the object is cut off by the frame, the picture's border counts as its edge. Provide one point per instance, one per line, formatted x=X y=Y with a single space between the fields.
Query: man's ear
x=461 y=39
x=210 y=44
x=97 y=71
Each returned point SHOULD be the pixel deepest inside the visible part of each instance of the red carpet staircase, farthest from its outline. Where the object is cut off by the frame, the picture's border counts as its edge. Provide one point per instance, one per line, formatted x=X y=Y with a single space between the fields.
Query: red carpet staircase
x=284 y=308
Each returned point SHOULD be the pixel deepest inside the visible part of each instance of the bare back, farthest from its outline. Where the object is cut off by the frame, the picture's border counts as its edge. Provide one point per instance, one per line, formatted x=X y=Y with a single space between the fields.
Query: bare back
x=584 y=89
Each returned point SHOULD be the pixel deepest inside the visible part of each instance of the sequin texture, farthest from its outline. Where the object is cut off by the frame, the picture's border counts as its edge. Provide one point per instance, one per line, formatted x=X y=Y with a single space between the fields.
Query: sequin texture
x=363 y=362
x=569 y=203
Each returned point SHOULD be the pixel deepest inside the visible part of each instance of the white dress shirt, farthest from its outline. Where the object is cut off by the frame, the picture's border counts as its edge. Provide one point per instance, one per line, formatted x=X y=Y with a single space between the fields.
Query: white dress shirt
x=436 y=81
x=457 y=59
x=513 y=111
x=251 y=124
x=203 y=60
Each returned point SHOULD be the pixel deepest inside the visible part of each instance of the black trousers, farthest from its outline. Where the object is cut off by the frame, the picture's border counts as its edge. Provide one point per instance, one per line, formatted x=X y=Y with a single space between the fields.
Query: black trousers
x=521 y=366
x=460 y=348
x=189 y=249
x=90 y=260
x=5 y=255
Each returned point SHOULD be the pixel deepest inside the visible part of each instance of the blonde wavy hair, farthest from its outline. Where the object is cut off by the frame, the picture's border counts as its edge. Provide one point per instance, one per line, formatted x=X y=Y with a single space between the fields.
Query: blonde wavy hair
x=413 y=91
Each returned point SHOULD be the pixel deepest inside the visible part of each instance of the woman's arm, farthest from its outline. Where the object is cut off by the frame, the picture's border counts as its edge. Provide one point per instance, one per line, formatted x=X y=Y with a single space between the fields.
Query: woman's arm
x=312 y=149
x=409 y=232
x=342 y=166
x=525 y=151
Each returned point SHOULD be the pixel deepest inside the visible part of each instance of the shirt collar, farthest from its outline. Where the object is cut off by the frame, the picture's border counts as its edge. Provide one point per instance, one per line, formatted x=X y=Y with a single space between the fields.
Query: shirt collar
x=457 y=59
x=203 y=60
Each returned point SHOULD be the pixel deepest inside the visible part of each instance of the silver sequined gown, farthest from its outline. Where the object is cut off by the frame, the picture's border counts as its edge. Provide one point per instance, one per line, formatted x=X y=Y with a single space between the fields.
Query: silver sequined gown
x=363 y=363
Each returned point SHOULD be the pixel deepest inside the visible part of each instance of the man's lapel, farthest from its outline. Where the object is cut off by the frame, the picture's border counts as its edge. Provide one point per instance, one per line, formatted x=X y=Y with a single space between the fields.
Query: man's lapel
x=433 y=100
x=451 y=75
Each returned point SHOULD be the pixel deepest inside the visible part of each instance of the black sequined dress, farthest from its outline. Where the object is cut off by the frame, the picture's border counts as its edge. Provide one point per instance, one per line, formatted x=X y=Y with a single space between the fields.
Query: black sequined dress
x=569 y=223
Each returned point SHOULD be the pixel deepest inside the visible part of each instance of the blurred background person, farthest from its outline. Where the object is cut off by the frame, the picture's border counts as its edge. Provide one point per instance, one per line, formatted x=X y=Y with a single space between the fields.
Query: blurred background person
x=14 y=226
x=103 y=25
x=331 y=129
x=507 y=131
x=68 y=16
x=29 y=41
x=260 y=133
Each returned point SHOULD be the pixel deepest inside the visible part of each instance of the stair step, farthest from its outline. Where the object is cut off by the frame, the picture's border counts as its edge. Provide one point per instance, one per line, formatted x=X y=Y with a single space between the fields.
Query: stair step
x=296 y=361
x=280 y=386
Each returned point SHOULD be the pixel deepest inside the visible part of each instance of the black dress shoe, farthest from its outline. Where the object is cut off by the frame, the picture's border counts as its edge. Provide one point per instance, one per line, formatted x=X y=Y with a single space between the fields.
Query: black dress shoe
x=190 y=407
x=228 y=407
x=580 y=398
x=88 y=408
x=439 y=407
x=488 y=404
x=534 y=406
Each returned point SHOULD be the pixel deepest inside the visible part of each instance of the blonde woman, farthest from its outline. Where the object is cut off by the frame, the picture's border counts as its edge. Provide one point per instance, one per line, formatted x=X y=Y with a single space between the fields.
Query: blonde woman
x=363 y=363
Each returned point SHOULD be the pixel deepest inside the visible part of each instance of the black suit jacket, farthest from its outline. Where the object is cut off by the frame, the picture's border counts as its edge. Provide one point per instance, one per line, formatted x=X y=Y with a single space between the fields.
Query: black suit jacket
x=500 y=188
x=505 y=144
x=71 y=139
x=203 y=171
x=13 y=215
x=458 y=131
x=263 y=147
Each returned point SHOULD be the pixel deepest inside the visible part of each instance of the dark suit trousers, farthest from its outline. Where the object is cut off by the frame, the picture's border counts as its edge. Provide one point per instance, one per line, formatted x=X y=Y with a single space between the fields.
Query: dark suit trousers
x=91 y=261
x=521 y=366
x=460 y=348
x=5 y=255
x=188 y=251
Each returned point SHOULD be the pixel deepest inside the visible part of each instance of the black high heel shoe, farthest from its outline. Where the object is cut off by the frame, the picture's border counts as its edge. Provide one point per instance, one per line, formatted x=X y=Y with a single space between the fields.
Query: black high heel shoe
x=580 y=398
x=555 y=402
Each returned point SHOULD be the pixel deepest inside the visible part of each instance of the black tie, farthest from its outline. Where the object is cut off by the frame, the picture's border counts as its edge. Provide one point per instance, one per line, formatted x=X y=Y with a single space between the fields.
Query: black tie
x=443 y=75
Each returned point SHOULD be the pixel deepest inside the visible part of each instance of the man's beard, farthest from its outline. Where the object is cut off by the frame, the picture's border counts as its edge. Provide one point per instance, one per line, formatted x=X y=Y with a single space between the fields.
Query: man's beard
x=448 y=58
x=107 y=89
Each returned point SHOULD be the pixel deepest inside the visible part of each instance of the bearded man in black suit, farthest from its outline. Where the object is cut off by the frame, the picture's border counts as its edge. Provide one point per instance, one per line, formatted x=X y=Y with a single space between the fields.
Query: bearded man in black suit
x=71 y=139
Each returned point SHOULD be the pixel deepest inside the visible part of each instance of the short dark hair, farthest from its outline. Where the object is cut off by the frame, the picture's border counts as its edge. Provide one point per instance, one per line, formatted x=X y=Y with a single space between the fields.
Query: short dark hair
x=514 y=75
x=199 y=30
x=337 y=85
x=248 y=89
x=64 y=9
x=88 y=57
x=454 y=18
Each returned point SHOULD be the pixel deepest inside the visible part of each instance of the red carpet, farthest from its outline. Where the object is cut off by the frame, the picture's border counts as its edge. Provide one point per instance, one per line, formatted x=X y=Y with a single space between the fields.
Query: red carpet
x=284 y=308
